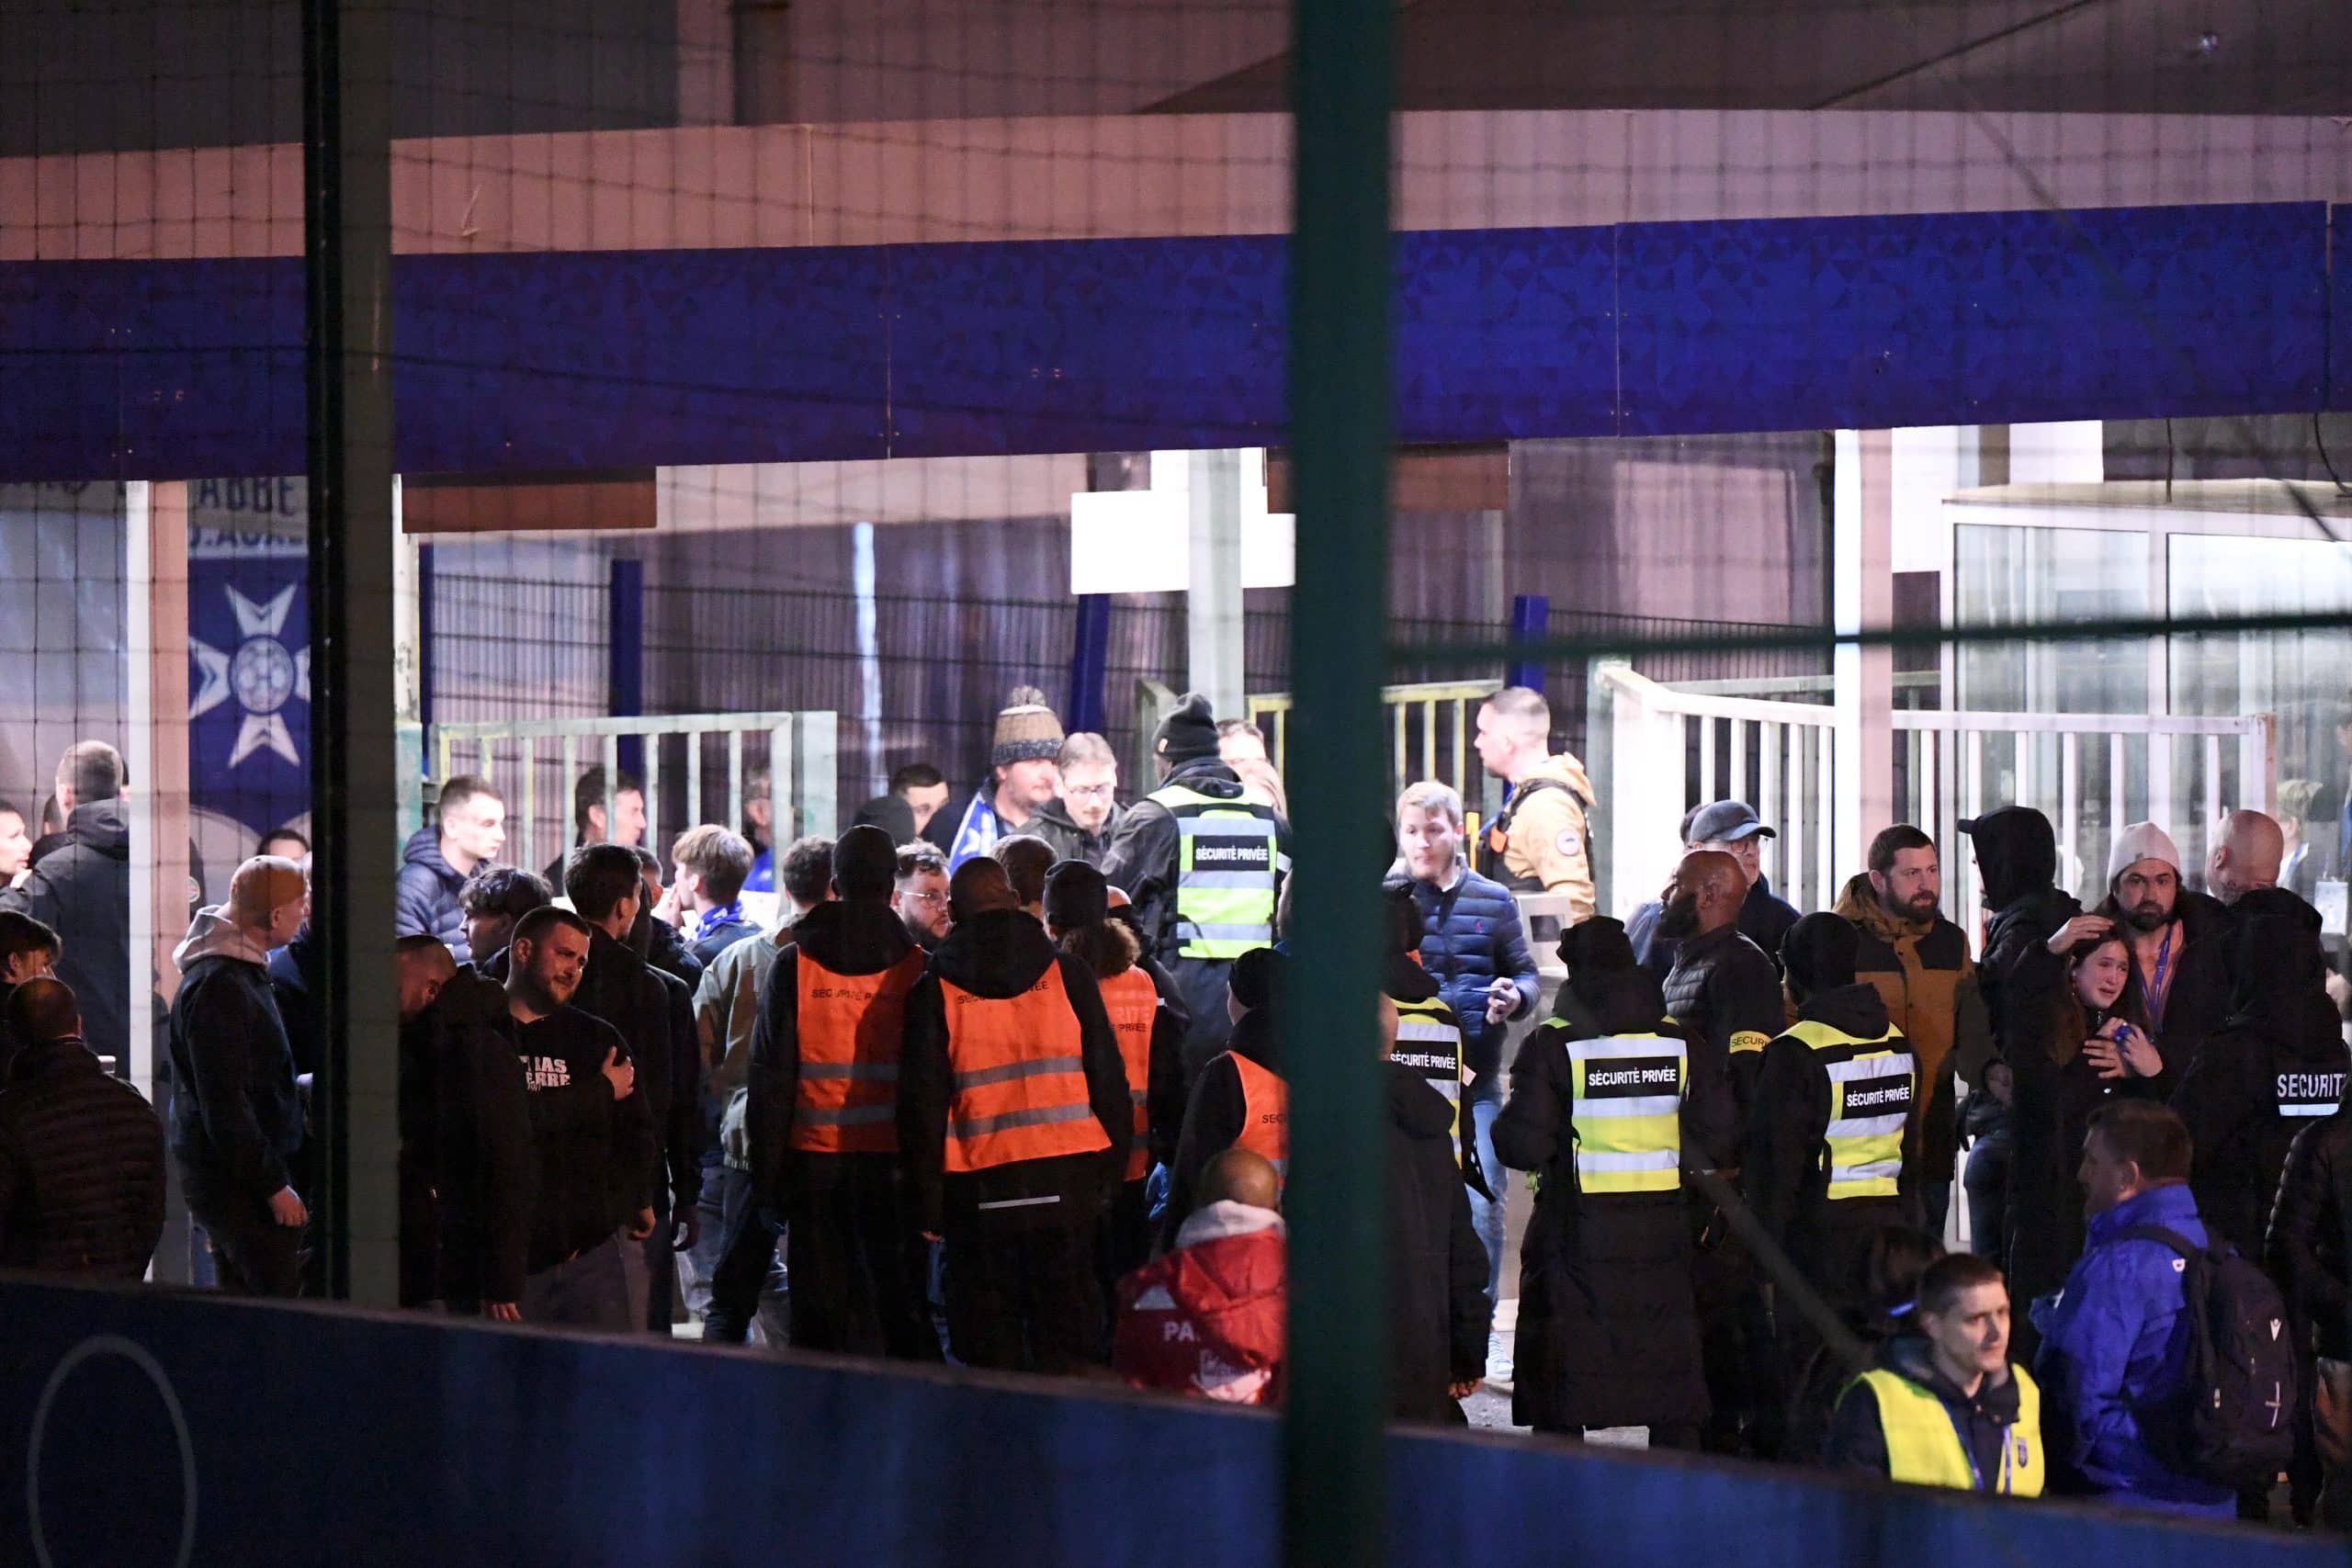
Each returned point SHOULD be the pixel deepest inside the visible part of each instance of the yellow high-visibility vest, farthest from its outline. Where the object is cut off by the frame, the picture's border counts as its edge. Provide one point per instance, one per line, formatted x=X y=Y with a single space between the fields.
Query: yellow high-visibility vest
x=1923 y=1446
x=1873 y=1085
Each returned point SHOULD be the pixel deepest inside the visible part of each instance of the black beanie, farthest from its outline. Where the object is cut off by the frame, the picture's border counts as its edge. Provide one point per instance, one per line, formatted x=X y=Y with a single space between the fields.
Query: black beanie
x=1188 y=733
x=1596 y=944
x=1254 y=977
x=865 y=862
x=1819 y=953
x=1075 y=895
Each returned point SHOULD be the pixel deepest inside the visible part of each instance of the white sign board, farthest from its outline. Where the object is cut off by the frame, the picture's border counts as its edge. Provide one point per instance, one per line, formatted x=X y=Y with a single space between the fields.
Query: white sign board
x=1140 y=541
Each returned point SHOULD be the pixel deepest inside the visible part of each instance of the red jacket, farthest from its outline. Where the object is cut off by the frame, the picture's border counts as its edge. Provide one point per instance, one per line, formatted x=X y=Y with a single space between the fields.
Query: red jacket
x=1207 y=1319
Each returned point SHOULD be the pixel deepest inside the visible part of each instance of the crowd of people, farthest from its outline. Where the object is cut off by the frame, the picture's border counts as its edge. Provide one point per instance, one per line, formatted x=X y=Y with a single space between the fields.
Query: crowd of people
x=1006 y=1086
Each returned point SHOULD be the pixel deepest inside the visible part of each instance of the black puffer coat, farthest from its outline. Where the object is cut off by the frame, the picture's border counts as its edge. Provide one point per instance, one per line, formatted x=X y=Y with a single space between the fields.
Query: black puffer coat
x=1438 y=1312
x=81 y=1167
x=2257 y=1083
x=1608 y=1328
x=2305 y=1249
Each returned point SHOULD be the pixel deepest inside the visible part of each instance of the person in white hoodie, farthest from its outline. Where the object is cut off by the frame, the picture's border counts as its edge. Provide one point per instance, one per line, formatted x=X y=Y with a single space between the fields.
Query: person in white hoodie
x=235 y=1114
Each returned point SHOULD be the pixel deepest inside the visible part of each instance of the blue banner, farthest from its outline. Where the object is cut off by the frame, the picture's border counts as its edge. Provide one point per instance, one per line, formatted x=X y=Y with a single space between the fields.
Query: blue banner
x=249 y=657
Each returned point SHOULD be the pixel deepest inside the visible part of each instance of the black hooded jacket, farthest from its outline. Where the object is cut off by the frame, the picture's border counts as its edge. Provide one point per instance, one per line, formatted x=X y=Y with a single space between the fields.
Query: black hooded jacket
x=2017 y=855
x=655 y=1013
x=1140 y=858
x=1608 y=1326
x=1438 y=1313
x=847 y=939
x=466 y=1168
x=80 y=889
x=1788 y=1152
x=2275 y=1067
x=81 y=1167
x=1001 y=953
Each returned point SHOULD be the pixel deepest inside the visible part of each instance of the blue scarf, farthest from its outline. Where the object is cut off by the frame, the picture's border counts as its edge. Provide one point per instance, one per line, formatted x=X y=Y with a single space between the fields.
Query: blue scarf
x=713 y=918
x=978 y=833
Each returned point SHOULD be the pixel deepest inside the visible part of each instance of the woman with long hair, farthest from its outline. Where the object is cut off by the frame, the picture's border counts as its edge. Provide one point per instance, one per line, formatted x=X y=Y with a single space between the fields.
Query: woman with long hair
x=2097 y=1048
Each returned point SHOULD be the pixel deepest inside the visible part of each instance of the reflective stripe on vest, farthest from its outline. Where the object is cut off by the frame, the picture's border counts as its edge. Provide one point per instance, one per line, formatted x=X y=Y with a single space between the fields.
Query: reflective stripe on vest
x=1628 y=1112
x=1133 y=1002
x=1228 y=858
x=1265 y=1112
x=1017 y=1080
x=1431 y=1046
x=848 y=1028
x=1924 y=1448
x=1871 y=1098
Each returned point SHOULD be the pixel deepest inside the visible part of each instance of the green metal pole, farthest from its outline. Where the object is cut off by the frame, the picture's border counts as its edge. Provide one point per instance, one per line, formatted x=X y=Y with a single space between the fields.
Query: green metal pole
x=1334 y=1461
x=354 y=755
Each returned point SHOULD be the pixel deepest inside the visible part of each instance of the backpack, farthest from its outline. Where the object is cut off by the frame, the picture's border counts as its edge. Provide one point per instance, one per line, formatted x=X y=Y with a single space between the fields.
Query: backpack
x=2238 y=1390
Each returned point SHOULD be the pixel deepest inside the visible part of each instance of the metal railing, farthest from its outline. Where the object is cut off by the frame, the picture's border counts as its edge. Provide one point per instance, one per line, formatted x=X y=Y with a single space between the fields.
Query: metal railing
x=1431 y=726
x=799 y=752
x=1672 y=748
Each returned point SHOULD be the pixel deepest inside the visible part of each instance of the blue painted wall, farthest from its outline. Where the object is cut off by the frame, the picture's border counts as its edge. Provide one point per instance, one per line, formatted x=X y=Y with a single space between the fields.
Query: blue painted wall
x=591 y=360
x=306 y=1435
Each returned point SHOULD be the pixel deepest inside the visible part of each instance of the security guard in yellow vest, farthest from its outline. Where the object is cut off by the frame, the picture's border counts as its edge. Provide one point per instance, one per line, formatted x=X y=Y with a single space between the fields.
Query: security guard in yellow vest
x=1944 y=1407
x=1429 y=1032
x=1833 y=1140
x=1203 y=864
x=1608 y=1104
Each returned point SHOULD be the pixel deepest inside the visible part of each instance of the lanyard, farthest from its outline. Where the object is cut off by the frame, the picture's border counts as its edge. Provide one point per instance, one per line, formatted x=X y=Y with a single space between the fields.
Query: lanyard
x=2157 y=993
x=1975 y=1474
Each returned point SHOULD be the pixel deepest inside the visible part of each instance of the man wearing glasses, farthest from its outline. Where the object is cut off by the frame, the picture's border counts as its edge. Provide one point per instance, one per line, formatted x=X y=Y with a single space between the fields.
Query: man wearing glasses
x=1079 y=821
x=920 y=894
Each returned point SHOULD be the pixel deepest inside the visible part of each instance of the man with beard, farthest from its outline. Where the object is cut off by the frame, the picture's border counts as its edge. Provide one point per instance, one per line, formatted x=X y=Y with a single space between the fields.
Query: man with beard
x=919 y=895
x=1919 y=962
x=1725 y=996
x=2180 y=947
x=589 y=1129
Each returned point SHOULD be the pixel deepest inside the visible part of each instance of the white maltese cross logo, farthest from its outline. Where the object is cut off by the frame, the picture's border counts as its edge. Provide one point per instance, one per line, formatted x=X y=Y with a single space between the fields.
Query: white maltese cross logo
x=261 y=673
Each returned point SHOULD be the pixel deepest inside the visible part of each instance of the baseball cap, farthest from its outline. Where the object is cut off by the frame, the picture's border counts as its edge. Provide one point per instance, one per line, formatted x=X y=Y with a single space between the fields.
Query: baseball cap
x=1726 y=822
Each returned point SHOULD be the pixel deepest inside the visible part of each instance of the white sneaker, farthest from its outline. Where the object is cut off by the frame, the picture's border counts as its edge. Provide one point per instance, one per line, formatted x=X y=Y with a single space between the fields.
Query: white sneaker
x=1498 y=1360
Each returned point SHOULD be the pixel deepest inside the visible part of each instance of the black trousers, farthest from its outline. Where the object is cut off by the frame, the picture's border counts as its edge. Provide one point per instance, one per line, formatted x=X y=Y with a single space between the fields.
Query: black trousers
x=1021 y=1290
x=746 y=1258
x=252 y=1255
x=857 y=1266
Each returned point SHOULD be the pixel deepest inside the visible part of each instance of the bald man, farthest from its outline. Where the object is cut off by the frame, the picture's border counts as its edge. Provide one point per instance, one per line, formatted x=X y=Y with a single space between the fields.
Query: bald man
x=2249 y=849
x=81 y=1152
x=236 y=1119
x=1206 y=1318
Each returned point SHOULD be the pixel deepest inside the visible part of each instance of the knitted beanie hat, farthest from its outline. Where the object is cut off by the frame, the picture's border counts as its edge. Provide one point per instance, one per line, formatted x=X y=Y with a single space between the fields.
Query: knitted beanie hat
x=1025 y=729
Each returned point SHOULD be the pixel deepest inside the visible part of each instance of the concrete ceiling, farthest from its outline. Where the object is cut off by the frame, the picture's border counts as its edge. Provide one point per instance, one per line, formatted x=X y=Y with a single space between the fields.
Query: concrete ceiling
x=2085 y=56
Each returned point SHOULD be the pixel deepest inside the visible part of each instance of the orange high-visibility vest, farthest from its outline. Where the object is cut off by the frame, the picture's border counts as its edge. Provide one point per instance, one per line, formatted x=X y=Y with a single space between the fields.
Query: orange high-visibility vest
x=1018 y=1078
x=849 y=1026
x=1265 y=1113
x=1133 y=1002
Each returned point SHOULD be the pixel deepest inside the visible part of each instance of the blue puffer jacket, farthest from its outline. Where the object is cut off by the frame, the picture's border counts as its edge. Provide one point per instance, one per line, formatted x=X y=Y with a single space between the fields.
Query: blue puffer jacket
x=426 y=895
x=1470 y=937
x=2115 y=1347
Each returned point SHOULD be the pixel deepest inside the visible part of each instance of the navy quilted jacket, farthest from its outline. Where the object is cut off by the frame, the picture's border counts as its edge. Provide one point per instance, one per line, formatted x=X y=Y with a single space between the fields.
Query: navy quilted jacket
x=1471 y=936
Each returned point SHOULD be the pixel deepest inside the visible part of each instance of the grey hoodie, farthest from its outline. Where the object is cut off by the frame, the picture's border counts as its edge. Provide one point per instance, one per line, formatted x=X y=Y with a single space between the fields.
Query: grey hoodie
x=235 y=1114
